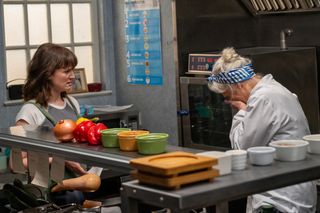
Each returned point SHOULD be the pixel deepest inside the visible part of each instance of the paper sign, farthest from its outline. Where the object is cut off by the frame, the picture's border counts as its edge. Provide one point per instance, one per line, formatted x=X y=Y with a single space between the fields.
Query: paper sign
x=32 y=162
x=41 y=177
x=143 y=42
x=95 y=170
x=17 y=165
x=57 y=169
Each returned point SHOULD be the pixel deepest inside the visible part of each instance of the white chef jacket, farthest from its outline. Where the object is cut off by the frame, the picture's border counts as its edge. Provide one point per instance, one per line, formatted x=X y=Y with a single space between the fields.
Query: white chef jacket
x=274 y=113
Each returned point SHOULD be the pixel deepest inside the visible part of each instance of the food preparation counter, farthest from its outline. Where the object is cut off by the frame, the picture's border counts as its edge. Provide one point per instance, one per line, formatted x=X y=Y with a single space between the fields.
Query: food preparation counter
x=42 y=139
x=237 y=185
x=225 y=188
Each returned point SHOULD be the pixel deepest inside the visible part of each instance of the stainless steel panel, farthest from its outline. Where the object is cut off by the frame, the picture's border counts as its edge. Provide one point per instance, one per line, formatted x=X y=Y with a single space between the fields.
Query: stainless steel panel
x=261 y=5
x=310 y=3
x=295 y=4
x=281 y=4
x=317 y=3
x=255 y=5
x=288 y=4
x=267 y=4
x=303 y=4
x=274 y=4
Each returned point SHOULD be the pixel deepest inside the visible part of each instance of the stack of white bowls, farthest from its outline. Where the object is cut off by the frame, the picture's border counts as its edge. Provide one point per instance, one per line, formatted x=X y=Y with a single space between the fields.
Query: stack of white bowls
x=224 y=161
x=238 y=159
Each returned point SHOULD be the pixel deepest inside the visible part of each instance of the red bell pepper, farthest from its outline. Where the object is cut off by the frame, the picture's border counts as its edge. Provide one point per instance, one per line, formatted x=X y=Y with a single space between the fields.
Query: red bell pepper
x=81 y=131
x=94 y=133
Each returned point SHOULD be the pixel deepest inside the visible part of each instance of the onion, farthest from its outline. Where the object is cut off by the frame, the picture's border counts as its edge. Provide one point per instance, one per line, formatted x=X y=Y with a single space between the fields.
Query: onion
x=63 y=130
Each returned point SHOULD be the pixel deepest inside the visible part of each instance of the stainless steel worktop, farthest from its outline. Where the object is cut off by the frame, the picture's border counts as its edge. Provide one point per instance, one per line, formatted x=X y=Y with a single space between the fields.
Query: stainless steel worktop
x=225 y=188
x=42 y=139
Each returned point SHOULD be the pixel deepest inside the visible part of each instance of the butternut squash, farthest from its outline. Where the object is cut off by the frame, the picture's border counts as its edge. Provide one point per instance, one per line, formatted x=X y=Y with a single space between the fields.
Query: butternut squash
x=86 y=183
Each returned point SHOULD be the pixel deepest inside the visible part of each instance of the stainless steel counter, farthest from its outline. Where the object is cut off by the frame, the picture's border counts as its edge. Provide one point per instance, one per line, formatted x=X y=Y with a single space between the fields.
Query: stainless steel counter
x=41 y=139
x=225 y=188
x=239 y=184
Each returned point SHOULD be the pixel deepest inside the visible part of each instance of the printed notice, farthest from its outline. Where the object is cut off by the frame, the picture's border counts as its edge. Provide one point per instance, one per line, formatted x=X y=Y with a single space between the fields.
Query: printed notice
x=143 y=42
x=57 y=168
x=41 y=176
x=17 y=164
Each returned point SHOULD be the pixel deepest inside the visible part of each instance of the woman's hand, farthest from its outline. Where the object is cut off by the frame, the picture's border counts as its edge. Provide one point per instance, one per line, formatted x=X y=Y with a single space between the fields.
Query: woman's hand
x=238 y=105
x=75 y=167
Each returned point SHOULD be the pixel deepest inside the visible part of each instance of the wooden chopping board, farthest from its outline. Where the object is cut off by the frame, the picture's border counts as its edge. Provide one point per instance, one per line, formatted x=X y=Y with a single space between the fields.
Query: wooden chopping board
x=172 y=163
x=176 y=181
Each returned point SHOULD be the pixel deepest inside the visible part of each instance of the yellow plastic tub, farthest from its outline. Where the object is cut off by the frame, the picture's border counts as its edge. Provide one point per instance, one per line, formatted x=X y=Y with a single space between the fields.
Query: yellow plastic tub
x=127 y=139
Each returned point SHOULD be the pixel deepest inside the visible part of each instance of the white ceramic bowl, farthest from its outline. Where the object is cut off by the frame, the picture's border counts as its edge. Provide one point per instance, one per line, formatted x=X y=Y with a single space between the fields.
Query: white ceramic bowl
x=314 y=143
x=224 y=161
x=261 y=155
x=290 y=150
x=238 y=159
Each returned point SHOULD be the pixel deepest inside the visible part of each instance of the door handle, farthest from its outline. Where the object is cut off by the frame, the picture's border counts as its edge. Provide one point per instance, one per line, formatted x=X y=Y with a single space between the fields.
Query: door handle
x=182 y=112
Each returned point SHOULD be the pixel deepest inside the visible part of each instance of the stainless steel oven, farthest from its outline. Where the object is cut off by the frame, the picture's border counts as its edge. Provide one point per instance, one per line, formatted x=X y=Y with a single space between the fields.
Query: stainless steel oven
x=206 y=119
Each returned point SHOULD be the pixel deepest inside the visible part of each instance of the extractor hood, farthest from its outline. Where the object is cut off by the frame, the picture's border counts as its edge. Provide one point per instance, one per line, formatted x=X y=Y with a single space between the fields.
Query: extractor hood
x=268 y=7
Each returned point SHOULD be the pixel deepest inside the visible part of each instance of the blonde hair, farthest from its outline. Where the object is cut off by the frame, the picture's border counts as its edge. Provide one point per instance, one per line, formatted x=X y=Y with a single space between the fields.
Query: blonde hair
x=229 y=60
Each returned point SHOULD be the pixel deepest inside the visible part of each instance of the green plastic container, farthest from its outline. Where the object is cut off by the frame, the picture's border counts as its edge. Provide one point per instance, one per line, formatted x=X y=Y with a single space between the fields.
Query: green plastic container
x=153 y=143
x=109 y=137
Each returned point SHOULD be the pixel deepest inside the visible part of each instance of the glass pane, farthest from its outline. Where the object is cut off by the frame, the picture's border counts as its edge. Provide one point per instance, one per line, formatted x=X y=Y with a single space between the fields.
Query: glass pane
x=210 y=117
x=38 y=26
x=14 y=25
x=84 y=55
x=82 y=22
x=16 y=64
x=32 y=52
x=60 y=23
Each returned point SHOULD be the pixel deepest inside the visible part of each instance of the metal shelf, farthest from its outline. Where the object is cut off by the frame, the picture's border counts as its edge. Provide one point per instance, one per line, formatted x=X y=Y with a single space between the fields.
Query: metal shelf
x=273 y=7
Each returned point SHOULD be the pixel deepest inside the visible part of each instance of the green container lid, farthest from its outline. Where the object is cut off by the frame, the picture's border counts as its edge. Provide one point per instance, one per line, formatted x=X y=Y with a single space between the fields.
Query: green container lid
x=109 y=138
x=113 y=131
x=152 y=137
x=153 y=143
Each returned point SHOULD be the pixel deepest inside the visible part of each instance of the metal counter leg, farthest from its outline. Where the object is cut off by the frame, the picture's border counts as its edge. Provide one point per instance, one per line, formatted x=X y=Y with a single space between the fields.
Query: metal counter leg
x=222 y=207
x=128 y=205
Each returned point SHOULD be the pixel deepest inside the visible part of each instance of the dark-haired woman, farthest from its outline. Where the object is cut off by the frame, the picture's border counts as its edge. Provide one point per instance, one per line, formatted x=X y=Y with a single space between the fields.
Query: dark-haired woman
x=50 y=77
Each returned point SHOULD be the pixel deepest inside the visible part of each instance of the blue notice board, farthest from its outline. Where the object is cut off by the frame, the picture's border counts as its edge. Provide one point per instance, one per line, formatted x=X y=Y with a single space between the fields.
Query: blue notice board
x=143 y=42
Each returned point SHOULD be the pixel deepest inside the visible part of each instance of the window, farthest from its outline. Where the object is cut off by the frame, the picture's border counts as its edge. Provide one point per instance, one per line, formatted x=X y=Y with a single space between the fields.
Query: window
x=71 y=23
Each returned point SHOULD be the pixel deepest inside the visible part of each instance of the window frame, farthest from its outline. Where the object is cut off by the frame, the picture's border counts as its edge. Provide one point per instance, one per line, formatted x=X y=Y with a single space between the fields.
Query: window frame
x=98 y=50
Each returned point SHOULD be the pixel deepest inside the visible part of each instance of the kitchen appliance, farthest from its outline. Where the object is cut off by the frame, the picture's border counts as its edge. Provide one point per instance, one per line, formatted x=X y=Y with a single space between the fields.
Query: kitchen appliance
x=206 y=119
x=127 y=118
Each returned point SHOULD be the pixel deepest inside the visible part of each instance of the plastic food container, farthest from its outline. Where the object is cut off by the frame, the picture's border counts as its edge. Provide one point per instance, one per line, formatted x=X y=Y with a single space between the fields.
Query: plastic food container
x=261 y=155
x=290 y=150
x=127 y=139
x=314 y=143
x=224 y=161
x=153 y=143
x=109 y=137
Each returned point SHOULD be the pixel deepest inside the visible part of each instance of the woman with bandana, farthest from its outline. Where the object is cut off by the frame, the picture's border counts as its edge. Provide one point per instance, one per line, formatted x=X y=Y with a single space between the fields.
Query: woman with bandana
x=266 y=111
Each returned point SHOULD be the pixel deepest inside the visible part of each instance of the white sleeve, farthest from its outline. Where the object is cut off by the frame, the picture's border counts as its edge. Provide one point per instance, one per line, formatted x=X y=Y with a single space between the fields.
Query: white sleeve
x=256 y=126
x=75 y=103
x=31 y=114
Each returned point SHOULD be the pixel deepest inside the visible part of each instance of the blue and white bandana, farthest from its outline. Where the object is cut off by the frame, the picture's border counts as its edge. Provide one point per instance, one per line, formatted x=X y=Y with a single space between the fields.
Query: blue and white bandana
x=233 y=76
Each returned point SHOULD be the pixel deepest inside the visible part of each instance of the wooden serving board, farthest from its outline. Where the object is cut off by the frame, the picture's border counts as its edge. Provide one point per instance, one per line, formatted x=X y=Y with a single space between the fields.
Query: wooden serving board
x=172 y=163
x=176 y=181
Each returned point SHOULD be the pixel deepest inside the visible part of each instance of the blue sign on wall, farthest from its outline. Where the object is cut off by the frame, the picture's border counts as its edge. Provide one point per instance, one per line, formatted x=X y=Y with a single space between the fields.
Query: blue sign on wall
x=143 y=42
